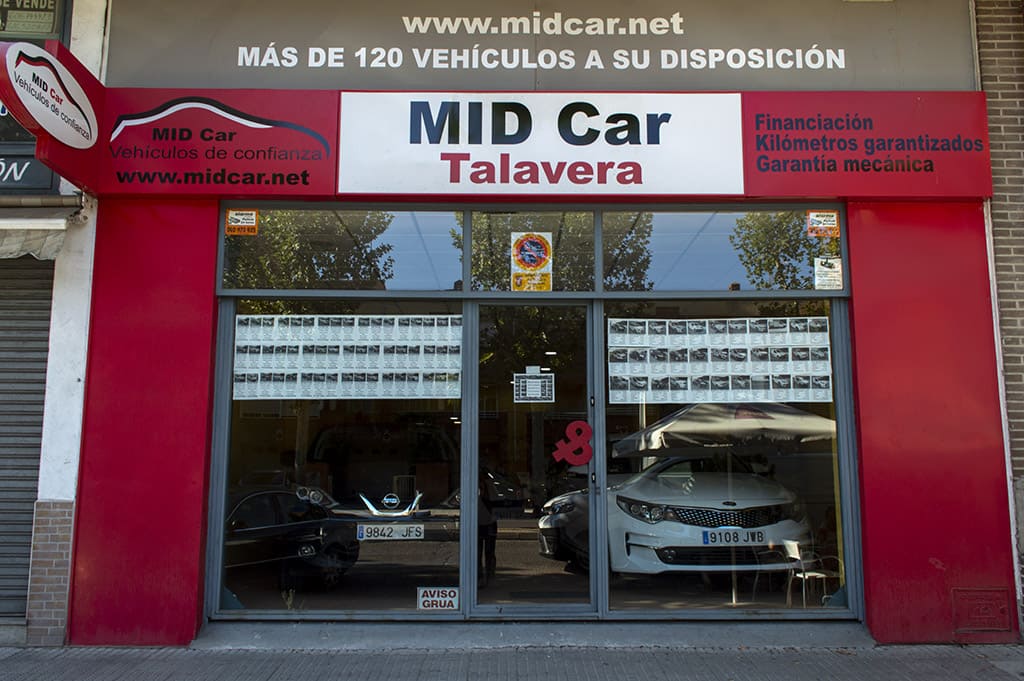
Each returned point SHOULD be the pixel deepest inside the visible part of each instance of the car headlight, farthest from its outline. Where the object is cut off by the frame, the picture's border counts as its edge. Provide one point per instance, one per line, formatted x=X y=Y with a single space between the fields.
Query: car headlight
x=557 y=507
x=641 y=510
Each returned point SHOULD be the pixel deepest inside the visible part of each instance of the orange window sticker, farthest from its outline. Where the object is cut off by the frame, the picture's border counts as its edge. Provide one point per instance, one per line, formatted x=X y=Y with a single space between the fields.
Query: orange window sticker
x=823 y=223
x=536 y=281
x=241 y=222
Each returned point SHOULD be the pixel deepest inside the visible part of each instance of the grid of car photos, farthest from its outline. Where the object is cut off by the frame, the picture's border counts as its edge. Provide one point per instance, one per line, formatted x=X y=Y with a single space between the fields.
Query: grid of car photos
x=776 y=359
x=347 y=357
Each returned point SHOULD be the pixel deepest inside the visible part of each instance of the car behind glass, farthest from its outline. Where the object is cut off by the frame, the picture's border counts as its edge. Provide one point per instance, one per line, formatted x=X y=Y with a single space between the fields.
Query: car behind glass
x=699 y=512
x=289 y=531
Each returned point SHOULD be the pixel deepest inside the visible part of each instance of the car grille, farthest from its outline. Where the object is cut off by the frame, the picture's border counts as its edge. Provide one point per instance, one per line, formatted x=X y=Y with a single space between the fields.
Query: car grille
x=748 y=517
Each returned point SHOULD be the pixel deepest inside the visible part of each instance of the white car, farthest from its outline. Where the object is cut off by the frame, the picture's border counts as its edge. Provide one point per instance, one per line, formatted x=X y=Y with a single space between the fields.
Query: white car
x=700 y=512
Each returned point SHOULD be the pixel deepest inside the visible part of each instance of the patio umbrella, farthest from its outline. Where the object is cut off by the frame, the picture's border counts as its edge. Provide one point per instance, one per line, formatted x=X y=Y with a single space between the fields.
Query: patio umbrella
x=717 y=423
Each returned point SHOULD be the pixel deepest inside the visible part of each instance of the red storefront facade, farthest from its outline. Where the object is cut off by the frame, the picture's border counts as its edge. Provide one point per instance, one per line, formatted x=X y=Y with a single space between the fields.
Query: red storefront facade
x=925 y=506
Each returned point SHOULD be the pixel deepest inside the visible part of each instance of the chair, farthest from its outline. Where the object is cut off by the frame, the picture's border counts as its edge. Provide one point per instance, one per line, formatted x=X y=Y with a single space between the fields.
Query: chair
x=807 y=566
x=769 y=561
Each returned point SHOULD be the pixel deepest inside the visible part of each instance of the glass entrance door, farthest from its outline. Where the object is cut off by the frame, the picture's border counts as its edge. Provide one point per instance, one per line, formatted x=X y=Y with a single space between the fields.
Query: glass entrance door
x=534 y=457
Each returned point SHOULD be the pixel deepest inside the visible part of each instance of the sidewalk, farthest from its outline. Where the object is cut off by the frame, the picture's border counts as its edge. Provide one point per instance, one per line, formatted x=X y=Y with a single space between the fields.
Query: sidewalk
x=521 y=652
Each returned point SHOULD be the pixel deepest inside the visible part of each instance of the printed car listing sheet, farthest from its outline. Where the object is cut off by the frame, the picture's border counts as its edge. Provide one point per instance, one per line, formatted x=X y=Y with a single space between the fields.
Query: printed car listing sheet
x=780 y=359
x=347 y=357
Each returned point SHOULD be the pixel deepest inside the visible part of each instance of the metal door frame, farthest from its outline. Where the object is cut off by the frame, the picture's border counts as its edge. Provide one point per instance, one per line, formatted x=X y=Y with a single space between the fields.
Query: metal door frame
x=471 y=460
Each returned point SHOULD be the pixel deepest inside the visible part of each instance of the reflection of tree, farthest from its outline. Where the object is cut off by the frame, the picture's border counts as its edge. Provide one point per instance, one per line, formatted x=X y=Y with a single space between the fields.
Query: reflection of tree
x=310 y=249
x=514 y=336
x=776 y=251
x=626 y=253
x=572 y=238
x=523 y=437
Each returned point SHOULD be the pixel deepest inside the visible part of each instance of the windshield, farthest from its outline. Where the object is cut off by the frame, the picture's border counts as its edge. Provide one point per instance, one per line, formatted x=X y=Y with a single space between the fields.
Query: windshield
x=676 y=467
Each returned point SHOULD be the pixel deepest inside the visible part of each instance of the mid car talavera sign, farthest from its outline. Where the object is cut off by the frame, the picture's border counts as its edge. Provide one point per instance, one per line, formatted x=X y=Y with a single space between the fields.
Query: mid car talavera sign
x=540 y=143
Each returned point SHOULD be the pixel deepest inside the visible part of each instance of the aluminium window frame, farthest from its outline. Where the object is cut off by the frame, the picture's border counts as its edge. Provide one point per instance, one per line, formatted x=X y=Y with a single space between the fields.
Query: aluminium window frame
x=847 y=458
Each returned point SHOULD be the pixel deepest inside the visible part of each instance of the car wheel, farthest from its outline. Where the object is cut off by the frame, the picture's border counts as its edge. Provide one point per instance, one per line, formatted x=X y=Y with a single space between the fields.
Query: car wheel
x=337 y=560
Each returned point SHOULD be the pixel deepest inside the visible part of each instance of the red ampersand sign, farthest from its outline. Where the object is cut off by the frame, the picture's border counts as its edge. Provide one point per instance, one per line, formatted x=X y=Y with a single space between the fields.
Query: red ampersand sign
x=577 y=437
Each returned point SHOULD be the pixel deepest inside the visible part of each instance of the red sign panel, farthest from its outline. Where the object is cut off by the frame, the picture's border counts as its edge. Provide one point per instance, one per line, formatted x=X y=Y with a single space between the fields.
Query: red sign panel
x=55 y=97
x=866 y=144
x=283 y=144
x=253 y=143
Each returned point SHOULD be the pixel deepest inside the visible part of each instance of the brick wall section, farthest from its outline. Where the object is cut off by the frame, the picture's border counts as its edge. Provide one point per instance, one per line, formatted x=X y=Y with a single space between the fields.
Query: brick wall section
x=1001 y=52
x=49 y=573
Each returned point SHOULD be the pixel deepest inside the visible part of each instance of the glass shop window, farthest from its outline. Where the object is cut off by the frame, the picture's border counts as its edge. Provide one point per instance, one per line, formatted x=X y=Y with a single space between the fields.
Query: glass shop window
x=720 y=250
x=533 y=252
x=347 y=415
x=347 y=249
x=722 y=456
x=253 y=512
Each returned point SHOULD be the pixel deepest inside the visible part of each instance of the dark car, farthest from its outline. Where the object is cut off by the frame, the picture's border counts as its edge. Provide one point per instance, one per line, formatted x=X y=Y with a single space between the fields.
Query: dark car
x=502 y=493
x=392 y=517
x=292 y=530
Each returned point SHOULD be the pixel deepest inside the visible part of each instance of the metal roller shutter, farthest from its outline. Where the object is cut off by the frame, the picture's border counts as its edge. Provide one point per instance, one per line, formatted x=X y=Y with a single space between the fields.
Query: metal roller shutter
x=26 y=287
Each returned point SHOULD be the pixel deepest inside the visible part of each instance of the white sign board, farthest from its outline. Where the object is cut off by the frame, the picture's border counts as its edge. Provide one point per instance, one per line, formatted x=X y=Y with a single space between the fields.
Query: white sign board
x=828 y=274
x=52 y=96
x=752 y=359
x=533 y=387
x=310 y=357
x=437 y=598
x=540 y=143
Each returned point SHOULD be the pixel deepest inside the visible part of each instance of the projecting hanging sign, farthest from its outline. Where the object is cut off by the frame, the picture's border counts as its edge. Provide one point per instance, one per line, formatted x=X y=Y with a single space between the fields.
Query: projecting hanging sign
x=51 y=96
x=60 y=102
